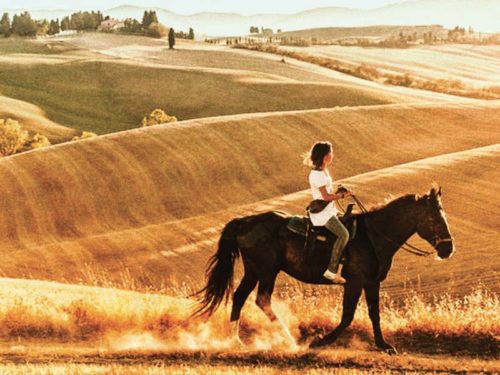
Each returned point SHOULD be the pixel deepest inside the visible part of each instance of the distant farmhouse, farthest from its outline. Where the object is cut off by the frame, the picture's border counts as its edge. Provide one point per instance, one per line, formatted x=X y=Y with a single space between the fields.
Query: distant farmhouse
x=110 y=25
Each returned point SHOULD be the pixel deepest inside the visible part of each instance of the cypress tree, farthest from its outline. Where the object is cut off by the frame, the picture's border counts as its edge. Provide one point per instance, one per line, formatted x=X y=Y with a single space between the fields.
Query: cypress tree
x=171 y=38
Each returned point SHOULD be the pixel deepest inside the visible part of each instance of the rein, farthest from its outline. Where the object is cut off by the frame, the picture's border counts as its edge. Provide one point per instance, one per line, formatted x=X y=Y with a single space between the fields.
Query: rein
x=405 y=246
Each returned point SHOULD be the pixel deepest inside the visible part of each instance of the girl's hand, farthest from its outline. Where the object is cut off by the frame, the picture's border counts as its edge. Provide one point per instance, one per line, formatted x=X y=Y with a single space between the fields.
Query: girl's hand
x=347 y=194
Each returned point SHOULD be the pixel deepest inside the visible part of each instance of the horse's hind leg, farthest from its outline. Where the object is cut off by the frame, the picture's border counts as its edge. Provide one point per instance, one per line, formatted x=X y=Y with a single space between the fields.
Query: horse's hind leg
x=264 y=292
x=246 y=286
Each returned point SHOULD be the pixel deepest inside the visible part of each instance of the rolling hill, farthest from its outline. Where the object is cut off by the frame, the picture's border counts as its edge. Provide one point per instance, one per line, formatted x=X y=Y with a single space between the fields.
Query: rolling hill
x=375 y=32
x=35 y=120
x=107 y=83
x=477 y=67
x=140 y=201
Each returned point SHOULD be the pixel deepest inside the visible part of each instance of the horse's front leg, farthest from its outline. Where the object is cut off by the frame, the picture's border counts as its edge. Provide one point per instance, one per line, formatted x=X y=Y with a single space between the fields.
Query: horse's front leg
x=372 y=291
x=352 y=292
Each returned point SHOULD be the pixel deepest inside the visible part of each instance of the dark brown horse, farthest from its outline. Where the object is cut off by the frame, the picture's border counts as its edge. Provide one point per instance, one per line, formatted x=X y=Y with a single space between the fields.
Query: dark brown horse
x=268 y=247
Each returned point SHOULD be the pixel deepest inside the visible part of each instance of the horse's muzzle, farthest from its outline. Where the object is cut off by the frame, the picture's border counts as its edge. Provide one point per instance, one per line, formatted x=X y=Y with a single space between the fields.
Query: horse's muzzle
x=445 y=249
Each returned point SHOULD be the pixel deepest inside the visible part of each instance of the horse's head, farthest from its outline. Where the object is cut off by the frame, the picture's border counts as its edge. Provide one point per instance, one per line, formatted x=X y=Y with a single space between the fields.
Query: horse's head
x=433 y=226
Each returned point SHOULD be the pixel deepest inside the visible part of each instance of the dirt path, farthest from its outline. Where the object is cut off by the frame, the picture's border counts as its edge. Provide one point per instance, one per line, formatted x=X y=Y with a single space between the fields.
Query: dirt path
x=303 y=360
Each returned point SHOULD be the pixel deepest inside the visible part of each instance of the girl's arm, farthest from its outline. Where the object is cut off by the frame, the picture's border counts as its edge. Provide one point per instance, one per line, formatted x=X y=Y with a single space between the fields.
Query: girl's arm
x=335 y=196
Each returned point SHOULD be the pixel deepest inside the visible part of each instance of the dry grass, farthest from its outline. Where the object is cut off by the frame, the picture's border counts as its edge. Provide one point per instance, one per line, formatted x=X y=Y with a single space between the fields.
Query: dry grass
x=179 y=369
x=49 y=328
x=118 y=321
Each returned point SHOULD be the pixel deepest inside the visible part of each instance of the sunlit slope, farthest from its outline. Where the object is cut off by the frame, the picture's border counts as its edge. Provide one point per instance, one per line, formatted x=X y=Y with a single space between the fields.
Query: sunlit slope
x=135 y=199
x=202 y=56
x=105 y=97
x=474 y=65
x=34 y=119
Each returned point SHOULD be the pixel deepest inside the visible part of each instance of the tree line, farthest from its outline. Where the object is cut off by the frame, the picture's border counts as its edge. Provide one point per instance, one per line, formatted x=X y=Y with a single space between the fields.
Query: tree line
x=152 y=27
x=24 y=25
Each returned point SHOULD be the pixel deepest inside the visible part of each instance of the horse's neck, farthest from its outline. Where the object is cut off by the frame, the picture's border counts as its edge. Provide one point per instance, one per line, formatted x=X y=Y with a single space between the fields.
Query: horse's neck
x=395 y=223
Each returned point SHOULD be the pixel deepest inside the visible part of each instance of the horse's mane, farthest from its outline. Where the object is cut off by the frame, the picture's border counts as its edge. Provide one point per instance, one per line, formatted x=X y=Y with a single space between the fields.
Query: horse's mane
x=394 y=202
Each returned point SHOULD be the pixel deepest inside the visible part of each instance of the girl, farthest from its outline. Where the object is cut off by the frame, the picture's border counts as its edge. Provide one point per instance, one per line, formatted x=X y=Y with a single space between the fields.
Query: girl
x=318 y=158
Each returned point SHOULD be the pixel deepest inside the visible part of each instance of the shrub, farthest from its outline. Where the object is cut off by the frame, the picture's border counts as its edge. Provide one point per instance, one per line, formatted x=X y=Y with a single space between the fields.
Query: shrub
x=300 y=42
x=405 y=80
x=38 y=141
x=156 y=117
x=12 y=137
x=84 y=135
x=156 y=30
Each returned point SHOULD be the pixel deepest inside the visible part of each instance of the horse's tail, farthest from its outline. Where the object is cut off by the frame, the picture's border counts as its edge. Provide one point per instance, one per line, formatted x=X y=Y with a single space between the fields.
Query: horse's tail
x=219 y=272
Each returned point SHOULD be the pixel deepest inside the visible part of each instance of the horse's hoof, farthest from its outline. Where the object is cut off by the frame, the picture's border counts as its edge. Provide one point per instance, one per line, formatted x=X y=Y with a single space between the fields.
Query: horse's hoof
x=316 y=343
x=389 y=349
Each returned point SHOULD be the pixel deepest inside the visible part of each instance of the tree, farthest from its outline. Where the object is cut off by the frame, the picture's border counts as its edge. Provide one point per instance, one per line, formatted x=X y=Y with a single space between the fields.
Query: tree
x=5 y=25
x=131 y=25
x=191 y=33
x=54 y=27
x=158 y=116
x=23 y=25
x=148 y=18
x=76 y=21
x=171 y=38
x=65 y=24
x=89 y=21
x=42 y=27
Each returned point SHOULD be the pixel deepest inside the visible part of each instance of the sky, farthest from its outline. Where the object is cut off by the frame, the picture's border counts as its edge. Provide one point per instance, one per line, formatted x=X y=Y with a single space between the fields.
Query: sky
x=194 y=6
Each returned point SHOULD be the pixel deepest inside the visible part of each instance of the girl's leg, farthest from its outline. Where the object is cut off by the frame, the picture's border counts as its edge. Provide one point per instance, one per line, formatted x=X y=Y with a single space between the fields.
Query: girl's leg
x=335 y=226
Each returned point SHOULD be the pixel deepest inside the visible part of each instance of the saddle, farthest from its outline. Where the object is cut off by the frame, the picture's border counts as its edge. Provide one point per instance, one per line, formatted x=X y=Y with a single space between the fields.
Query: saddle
x=302 y=225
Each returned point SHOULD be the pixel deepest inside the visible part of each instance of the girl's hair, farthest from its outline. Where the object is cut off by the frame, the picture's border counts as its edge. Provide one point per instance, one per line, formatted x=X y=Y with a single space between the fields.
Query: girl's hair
x=314 y=158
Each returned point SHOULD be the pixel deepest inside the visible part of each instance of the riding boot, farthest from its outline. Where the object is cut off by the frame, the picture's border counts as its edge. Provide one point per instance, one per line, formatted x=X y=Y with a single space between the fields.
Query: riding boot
x=334 y=277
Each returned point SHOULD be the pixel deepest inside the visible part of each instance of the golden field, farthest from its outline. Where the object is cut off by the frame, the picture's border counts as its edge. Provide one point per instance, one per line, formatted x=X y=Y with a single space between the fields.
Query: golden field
x=104 y=240
x=96 y=329
x=67 y=206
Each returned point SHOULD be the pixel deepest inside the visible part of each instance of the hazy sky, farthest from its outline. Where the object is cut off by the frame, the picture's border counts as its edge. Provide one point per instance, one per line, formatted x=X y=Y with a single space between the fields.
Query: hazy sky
x=193 y=6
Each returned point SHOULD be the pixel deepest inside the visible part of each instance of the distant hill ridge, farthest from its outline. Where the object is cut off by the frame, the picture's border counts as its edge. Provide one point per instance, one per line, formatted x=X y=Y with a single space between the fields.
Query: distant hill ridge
x=480 y=14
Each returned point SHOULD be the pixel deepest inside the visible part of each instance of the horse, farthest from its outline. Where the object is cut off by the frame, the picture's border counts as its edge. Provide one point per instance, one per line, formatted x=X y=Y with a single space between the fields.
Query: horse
x=268 y=247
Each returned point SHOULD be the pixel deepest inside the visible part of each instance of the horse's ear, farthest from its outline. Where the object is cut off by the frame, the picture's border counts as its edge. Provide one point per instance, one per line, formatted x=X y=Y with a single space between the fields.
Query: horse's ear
x=435 y=190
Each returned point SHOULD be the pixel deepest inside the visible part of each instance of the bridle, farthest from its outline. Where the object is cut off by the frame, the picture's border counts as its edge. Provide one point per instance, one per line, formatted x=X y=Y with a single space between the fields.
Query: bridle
x=405 y=246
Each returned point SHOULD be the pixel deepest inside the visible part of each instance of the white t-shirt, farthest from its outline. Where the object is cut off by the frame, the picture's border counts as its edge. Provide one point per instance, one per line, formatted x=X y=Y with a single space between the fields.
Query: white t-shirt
x=318 y=179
